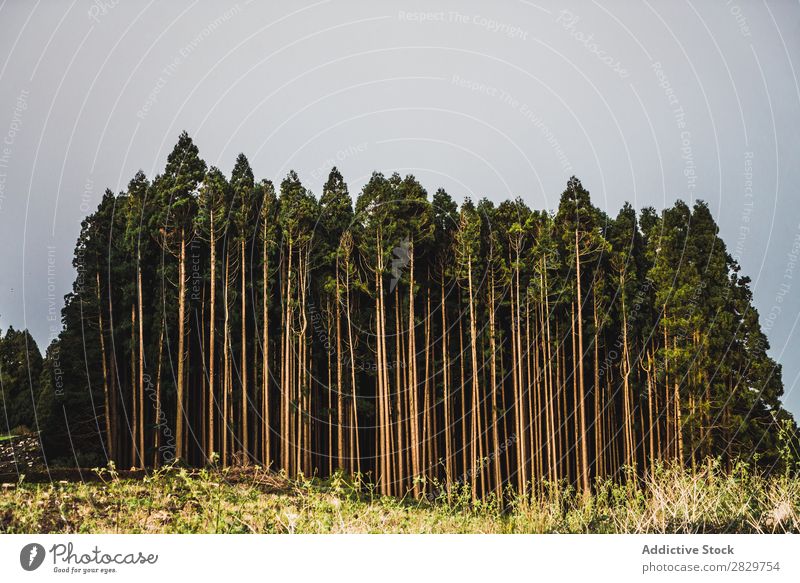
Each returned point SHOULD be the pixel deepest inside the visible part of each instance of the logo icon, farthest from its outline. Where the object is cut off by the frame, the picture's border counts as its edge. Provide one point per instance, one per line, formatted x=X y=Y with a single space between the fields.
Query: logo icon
x=402 y=257
x=31 y=556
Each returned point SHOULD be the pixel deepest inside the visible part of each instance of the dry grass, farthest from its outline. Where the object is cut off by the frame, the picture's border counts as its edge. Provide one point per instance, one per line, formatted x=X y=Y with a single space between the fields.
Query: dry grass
x=253 y=500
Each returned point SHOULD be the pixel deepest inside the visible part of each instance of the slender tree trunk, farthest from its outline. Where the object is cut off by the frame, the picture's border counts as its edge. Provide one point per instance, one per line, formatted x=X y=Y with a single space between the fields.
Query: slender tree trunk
x=476 y=449
x=245 y=433
x=266 y=453
x=355 y=448
x=678 y=423
x=518 y=363
x=498 y=482
x=136 y=454
x=448 y=458
x=630 y=452
x=412 y=380
x=429 y=439
x=180 y=413
x=140 y=301
x=303 y=385
x=286 y=373
x=384 y=372
x=582 y=393
x=339 y=384
x=226 y=365
x=599 y=410
x=158 y=413
x=212 y=322
x=333 y=445
x=575 y=402
x=400 y=417
x=552 y=439
x=462 y=394
x=109 y=433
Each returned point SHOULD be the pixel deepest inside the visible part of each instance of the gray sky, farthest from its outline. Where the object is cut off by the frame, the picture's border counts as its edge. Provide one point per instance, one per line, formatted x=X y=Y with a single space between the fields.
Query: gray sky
x=644 y=102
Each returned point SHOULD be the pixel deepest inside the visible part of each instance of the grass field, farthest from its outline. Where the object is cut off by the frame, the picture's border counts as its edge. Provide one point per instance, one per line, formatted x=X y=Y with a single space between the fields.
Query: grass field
x=254 y=501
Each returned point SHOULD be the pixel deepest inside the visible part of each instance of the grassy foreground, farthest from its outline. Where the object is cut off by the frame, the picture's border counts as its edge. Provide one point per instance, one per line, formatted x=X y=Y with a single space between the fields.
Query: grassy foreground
x=254 y=501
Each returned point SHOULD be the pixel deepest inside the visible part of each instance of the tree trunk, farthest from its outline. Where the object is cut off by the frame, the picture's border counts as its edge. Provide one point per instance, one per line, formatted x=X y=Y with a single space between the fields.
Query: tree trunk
x=226 y=365
x=180 y=413
x=106 y=393
x=212 y=341
x=136 y=453
x=266 y=447
x=582 y=390
x=477 y=456
x=355 y=448
x=498 y=482
x=448 y=458
x=339 y=386
x=245 y=434
x=141 y=357
x=412 y=380
x=158 y=414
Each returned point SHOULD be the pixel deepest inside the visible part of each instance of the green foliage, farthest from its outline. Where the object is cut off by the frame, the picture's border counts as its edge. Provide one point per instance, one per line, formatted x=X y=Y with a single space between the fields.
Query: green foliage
x=21 y=366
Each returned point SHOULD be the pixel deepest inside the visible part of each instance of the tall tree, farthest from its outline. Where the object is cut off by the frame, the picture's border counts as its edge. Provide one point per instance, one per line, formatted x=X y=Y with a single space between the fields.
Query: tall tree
x=178 y=189
x=212 y=220
x=244 y=209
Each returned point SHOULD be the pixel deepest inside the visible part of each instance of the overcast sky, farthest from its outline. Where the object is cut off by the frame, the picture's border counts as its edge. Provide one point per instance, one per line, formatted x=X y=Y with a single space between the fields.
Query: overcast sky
x=646 y=103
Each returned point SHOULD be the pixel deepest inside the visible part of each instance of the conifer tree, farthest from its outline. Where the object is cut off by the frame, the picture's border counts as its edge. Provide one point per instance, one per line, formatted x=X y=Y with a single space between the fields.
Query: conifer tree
x=178 y=191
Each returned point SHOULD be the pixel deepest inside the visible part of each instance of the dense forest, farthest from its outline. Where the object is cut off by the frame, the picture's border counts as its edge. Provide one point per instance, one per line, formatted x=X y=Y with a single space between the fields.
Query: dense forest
x=419 y=342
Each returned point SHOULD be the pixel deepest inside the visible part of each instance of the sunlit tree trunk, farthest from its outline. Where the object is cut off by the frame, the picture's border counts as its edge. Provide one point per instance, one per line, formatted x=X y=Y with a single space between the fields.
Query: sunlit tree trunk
x=109 y=428
x=584 y=454
x=244 y=373
x=266 y=445
x=180 y=413
x=140 y=301
x=212 y=322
